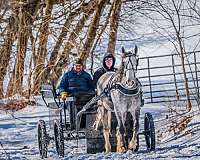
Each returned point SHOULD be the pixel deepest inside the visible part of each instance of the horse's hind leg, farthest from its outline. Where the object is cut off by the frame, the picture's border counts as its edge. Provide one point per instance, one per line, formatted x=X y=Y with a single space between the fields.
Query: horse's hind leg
x=106 y=130
x=98 y=119
x=133 y=143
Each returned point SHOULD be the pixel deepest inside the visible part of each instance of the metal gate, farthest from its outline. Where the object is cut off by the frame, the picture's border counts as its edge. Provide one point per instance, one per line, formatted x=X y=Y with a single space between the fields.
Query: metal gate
x=162 y=77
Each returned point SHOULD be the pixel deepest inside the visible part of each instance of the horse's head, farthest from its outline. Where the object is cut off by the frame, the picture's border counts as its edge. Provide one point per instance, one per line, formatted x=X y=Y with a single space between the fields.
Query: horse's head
x=130 y=62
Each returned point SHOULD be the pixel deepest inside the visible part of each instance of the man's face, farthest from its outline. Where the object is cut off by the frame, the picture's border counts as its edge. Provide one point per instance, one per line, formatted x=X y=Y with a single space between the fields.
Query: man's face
x=109 y=62
x=78 y=67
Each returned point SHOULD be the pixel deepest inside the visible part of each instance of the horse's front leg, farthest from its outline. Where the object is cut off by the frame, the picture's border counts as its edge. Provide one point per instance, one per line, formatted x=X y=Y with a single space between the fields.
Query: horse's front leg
x=106 y=130
x=133 y=143
x=120 y=133
x=120 y=142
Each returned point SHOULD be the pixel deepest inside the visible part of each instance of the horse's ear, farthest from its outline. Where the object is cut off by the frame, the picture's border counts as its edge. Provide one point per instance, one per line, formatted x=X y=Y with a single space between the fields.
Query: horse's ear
x=123 y=50
x=136 y=49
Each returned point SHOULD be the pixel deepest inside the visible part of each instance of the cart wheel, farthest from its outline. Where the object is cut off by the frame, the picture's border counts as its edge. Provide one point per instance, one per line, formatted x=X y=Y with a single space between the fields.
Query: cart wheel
x=149 y=131
x=42 y=139
x=59 y=138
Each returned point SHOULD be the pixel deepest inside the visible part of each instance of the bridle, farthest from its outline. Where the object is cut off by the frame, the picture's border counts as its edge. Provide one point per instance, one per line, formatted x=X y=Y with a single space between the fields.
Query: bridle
x=129 y=55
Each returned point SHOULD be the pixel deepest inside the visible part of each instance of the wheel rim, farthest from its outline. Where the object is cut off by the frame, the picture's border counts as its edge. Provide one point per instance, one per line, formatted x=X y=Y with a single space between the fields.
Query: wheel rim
x=42 y=139
x=149 y=132
x=56 y=138
x=59 y=139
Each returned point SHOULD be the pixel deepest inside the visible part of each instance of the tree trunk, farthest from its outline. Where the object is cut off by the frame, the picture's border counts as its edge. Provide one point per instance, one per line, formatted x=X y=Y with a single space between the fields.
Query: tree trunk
x=182 y=51
x=114 y=21
x=6 y=50
x=92 y=31
x=187 y=92
x=19 y=70
x=25 y=21
x=41 y=53
x=98 y=38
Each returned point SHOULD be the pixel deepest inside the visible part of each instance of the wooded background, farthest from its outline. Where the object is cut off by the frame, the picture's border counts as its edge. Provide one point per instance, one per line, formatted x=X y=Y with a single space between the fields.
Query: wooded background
x=39 y=38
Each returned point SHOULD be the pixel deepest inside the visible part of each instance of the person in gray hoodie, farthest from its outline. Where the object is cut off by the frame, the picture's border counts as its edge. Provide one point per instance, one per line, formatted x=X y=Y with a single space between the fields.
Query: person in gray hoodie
x=108 y=65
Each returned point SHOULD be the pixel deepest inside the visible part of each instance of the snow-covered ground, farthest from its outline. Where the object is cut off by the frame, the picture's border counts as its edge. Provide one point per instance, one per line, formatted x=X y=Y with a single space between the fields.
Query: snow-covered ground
x=18 y=137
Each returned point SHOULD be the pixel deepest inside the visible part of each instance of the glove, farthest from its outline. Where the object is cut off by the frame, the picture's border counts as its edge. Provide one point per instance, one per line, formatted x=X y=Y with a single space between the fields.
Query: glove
x=64 y=95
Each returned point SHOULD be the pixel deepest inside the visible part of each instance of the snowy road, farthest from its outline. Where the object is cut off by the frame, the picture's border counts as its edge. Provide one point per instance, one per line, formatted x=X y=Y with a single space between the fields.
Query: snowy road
x=18 y=137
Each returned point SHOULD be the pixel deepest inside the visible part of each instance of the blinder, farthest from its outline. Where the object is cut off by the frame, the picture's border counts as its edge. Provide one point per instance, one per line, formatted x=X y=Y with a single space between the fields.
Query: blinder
x=130 y=54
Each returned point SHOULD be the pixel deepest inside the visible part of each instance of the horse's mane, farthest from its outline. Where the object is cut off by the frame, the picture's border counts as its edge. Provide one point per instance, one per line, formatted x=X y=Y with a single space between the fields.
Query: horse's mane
x=120 y=71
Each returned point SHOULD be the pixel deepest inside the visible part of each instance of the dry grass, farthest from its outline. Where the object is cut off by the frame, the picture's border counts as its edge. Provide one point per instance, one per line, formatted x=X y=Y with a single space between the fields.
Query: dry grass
x=15 y=105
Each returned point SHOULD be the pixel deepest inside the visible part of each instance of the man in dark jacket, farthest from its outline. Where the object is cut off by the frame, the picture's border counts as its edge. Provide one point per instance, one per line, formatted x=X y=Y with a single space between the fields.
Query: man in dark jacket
x=108 y=65
x=75 y=81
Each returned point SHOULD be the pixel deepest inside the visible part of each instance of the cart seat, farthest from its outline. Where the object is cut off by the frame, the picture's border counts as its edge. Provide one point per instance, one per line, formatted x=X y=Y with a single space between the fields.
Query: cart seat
x=82 y=98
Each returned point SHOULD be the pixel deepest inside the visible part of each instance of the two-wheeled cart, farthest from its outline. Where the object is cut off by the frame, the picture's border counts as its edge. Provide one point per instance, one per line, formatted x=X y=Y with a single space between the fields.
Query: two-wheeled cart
x=63 y=117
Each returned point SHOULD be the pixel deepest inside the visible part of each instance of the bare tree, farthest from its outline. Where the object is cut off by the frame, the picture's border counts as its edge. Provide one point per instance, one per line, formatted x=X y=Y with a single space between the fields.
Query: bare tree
x=24 y=21
x=78 y=26
x=172 y=12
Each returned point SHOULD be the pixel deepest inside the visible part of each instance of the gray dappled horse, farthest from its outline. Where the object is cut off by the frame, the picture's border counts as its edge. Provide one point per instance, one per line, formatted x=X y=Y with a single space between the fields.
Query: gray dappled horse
x=123 y=95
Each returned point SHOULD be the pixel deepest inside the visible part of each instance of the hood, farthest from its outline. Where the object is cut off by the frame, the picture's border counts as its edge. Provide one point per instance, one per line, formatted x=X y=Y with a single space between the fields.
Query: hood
x=108 y=56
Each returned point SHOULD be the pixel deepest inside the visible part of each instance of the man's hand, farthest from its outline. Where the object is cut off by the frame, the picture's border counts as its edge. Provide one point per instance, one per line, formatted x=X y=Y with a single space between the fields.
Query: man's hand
x=64 y=95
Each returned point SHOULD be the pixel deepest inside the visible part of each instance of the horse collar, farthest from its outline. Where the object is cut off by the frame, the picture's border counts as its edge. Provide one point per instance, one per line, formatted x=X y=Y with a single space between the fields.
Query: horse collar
x=126 y=91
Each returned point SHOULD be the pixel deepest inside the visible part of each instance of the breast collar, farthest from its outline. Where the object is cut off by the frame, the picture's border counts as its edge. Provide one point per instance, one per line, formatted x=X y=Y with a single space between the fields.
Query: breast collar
x=127 y=91
x=115 y=85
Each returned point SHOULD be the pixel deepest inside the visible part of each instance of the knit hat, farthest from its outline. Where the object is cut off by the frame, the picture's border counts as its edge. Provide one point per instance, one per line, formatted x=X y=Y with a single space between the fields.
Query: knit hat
x=78 y=61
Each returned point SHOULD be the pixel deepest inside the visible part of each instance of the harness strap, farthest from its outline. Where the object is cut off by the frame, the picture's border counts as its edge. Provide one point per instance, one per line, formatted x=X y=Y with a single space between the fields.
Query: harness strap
x=126 y=91
x=109 y=85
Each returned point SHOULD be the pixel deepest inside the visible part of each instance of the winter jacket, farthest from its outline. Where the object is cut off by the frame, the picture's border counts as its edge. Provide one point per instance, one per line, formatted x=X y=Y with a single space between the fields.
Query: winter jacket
x=103 y=69
x=73 y=82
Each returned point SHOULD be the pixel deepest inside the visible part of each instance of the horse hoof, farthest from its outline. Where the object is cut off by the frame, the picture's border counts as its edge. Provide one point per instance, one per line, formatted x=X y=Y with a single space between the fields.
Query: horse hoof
x=108 y=149
x=121 y=150
x=129 y=151
x=106 y=152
